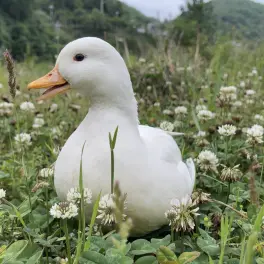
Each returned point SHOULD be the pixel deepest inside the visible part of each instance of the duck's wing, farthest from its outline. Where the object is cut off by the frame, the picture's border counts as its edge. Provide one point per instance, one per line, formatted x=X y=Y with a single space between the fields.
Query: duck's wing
x=161 y=144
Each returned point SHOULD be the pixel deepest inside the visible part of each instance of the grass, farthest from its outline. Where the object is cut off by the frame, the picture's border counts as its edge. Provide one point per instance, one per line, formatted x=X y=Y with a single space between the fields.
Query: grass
x=229 y=226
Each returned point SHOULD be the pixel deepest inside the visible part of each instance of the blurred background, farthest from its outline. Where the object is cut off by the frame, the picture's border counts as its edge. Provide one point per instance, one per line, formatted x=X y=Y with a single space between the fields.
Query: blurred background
x=40 y=28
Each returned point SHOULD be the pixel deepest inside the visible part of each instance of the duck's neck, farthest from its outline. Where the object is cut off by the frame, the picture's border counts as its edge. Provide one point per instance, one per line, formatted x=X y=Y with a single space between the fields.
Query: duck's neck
x=105 y=115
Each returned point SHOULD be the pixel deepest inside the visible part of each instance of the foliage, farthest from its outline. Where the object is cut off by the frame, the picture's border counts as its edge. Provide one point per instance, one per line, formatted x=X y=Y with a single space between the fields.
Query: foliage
x=44 y=27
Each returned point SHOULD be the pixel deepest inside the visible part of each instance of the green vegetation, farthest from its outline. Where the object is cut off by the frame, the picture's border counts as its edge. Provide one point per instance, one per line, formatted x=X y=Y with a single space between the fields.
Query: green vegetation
x=42 y=28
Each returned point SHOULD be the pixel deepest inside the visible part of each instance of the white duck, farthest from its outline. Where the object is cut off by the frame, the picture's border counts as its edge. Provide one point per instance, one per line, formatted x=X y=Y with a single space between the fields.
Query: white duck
x=148 y=162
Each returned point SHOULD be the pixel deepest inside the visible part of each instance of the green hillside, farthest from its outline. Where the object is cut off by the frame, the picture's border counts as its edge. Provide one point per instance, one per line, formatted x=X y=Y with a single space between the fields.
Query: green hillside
x=41 y=27
x=244 y=17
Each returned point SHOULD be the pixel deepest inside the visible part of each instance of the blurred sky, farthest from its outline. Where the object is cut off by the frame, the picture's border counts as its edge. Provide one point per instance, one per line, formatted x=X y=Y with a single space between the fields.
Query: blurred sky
x=161 y=8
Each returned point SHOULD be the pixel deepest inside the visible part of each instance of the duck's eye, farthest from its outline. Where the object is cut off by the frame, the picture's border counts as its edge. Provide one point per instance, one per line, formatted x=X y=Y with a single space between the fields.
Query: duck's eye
x=79 y=57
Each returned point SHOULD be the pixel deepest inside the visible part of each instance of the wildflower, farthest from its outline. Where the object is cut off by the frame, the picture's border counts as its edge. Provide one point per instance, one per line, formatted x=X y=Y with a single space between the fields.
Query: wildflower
x=205 y=115
x=259 y=117
x=107 y=210
x=200 y=134
x=56 y=132
x=180 y=110
x=228 y=93
x=230 y=174
x=181 y=215
x=255 y=134
x=23 y=139
x=225 y=76
x=156 y=104
x=200 y=197
x=38 y=122
x=46 y=172
x=250 y=93
x=167 y=126
x=177 y=123
x=53 y=108
x=237 y=104
x=250 y=101
x=242 y=84
x=227 y=130
x=6 y=108
x=254 y=71
x=27 y=106
x=149 y=88
x=2 y=194
x=64 y=210
x=207 y=161
x=74 y=195
x=167 y=112
x=200 y=107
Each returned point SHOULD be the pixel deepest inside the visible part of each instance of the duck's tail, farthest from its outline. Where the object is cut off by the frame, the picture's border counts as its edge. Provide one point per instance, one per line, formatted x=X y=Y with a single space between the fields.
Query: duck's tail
x=191 y=168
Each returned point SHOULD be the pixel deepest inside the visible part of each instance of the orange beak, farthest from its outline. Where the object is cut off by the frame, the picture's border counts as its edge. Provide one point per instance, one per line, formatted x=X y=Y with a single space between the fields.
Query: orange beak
x=54 y=83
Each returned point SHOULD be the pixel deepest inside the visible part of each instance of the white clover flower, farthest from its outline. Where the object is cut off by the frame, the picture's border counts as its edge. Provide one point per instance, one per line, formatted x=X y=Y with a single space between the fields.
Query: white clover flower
x=107 y=210
x=237 y=104
x=181 y=215
x=205 y=115
x=231 y=174
x=250 y=92
x=242 y=84
x=254 y=71
x=177 y=123
x=255 y=135
x=46 y=172
x=56 y=132
x=6 y=108
x=207 y=161
x=157 y=104
x=200 y=107
x=64 y=210
x=250 y=101
x=228 y=93
x=259 y=117
x=74 y=195
x=208 y=71
x=167 y=126
x=167 y=112
x=180 y=110
x=149 y=88
x=227 y=130
x=23 y=139
x=53 y=108
x=27 y=106
x=200 y=134
x=225 y=76
x=38 y=122
x=2 y=193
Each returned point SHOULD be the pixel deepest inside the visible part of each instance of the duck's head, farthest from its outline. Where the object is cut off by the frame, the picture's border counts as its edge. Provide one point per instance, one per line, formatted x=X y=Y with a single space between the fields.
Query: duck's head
x=89 y=66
